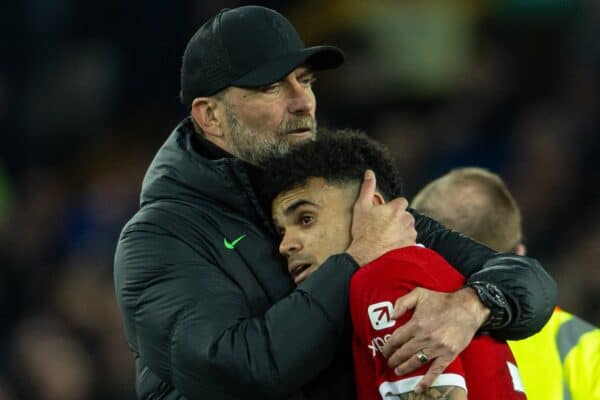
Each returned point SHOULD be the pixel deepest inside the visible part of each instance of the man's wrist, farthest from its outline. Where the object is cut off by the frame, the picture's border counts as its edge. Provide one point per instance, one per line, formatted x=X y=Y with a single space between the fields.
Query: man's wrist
x=355 y=252
x=500 y=313
x=475 y=306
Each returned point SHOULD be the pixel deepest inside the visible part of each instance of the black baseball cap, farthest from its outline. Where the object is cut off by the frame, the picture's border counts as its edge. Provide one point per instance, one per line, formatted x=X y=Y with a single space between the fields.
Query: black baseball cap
x=248 y=46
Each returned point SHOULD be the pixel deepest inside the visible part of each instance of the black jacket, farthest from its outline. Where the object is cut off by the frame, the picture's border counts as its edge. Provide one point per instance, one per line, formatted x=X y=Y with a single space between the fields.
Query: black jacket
x=205 y=321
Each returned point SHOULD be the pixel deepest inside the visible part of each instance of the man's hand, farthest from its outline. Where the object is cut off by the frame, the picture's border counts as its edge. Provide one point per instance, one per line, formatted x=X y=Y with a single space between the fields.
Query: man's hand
x=441 y=327
x=379 y=228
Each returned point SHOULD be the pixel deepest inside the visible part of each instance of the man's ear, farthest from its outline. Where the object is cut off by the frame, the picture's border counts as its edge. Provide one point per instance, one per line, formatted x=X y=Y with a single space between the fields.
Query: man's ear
x=377 y=199
x=520 y=249
x=209 y=116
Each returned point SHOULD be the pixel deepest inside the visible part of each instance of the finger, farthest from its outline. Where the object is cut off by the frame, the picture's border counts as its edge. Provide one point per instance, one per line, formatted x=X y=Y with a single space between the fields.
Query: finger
x=367 y=189
x=406 y=302
x=398 y=338
x=399 y=203
x=405 y=352
x=437 y=367
x=410 y=365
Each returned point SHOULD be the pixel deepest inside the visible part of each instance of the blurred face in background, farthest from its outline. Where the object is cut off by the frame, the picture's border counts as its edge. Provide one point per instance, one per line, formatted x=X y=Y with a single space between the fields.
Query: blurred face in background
x=314 y=221
x=269 y=120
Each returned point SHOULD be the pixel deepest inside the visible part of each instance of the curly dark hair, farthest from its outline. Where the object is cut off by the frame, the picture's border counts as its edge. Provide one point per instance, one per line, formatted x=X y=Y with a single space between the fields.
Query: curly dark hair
x=340 y=156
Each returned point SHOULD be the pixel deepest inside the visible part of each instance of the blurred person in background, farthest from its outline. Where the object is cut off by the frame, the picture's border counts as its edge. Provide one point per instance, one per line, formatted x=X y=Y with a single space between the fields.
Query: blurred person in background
x=560 y=362
x=83 y=298
x=51 y=364
x=314 y=188
x=204 y=297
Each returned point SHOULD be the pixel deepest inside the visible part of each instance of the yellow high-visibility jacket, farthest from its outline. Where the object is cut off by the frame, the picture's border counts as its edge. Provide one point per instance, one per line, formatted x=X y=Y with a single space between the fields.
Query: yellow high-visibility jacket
x=562 y=361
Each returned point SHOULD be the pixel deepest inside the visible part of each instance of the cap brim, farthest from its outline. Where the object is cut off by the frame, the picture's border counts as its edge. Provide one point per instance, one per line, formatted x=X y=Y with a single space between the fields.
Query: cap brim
x=317 y=58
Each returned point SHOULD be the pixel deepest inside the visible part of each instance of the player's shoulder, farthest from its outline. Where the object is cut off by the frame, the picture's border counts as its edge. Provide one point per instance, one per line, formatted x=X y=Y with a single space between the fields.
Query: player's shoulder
x=415 y=258
x=417 y=254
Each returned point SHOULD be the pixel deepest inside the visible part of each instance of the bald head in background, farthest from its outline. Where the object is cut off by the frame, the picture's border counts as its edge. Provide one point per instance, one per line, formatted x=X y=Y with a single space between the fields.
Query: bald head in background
x=477 y=203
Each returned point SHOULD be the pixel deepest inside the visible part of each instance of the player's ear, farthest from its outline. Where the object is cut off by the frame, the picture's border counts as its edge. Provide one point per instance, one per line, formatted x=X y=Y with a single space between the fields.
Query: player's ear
x=521 y=249
x=378 y=199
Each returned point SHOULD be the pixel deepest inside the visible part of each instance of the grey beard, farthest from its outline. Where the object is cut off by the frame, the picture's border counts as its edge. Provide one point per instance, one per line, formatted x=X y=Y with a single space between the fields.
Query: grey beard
x=253 y=147
x=256 y=153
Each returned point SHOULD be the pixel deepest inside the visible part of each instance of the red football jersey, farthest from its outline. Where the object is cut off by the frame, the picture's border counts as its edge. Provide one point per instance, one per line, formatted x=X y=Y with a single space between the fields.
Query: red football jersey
x=486 y=368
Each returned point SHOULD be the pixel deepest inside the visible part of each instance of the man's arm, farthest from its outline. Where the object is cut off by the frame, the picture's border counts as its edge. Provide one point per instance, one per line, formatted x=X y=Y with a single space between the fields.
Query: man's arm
x=529 y=291
x=191 y=322
x=446 y=322
x=194 y=330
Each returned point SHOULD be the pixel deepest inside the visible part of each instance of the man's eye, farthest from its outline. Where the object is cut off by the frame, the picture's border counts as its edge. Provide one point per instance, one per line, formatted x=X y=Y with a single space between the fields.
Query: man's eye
x=306 y=219
x=270 y=88
x=308 y=81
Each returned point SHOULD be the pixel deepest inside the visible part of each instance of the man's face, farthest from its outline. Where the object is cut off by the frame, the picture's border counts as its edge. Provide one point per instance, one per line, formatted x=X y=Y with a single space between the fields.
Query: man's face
x=314 y=221
x=269 y=120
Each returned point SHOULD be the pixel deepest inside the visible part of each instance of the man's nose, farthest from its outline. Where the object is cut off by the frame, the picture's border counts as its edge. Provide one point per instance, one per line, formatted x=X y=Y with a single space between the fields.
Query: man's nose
x=289 y=245
x=302 y=100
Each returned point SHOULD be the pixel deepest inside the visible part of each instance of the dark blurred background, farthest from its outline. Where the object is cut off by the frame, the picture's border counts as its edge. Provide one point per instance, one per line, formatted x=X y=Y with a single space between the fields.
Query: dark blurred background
x=88 y=91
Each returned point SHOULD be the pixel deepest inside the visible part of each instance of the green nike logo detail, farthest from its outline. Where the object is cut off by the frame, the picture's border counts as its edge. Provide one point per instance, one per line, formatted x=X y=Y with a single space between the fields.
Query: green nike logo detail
x=231 y=245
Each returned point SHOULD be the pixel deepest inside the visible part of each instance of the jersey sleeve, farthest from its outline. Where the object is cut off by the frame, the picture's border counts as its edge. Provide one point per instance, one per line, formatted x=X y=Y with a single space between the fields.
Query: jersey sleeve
x=373 y=292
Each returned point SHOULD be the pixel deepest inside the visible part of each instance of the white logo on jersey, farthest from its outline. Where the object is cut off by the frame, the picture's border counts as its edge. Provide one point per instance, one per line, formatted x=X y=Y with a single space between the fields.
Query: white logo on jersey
x=380 y=315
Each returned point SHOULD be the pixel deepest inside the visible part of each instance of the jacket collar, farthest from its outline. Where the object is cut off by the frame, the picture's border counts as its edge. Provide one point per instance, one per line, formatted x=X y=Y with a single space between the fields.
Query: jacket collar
x=191 y=169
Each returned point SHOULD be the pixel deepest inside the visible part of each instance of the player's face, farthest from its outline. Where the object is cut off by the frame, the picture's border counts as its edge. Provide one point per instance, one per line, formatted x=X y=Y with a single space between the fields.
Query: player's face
x=314 y=221
x=269 y=120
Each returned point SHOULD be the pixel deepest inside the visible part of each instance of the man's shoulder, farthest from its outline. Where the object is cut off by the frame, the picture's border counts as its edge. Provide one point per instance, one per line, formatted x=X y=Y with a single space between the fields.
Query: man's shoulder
x=415 y=264
x=164 y=225
x=162 y=217
x=211 y=233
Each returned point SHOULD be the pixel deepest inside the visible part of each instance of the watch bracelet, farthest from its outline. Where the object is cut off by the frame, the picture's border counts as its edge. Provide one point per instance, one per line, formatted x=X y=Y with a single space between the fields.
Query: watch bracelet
x=493 y=298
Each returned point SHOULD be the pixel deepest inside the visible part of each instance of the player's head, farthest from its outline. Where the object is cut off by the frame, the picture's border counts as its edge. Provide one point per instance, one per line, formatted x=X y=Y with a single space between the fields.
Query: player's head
x=247 y=78
x=476 y=202
x=314 y=188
